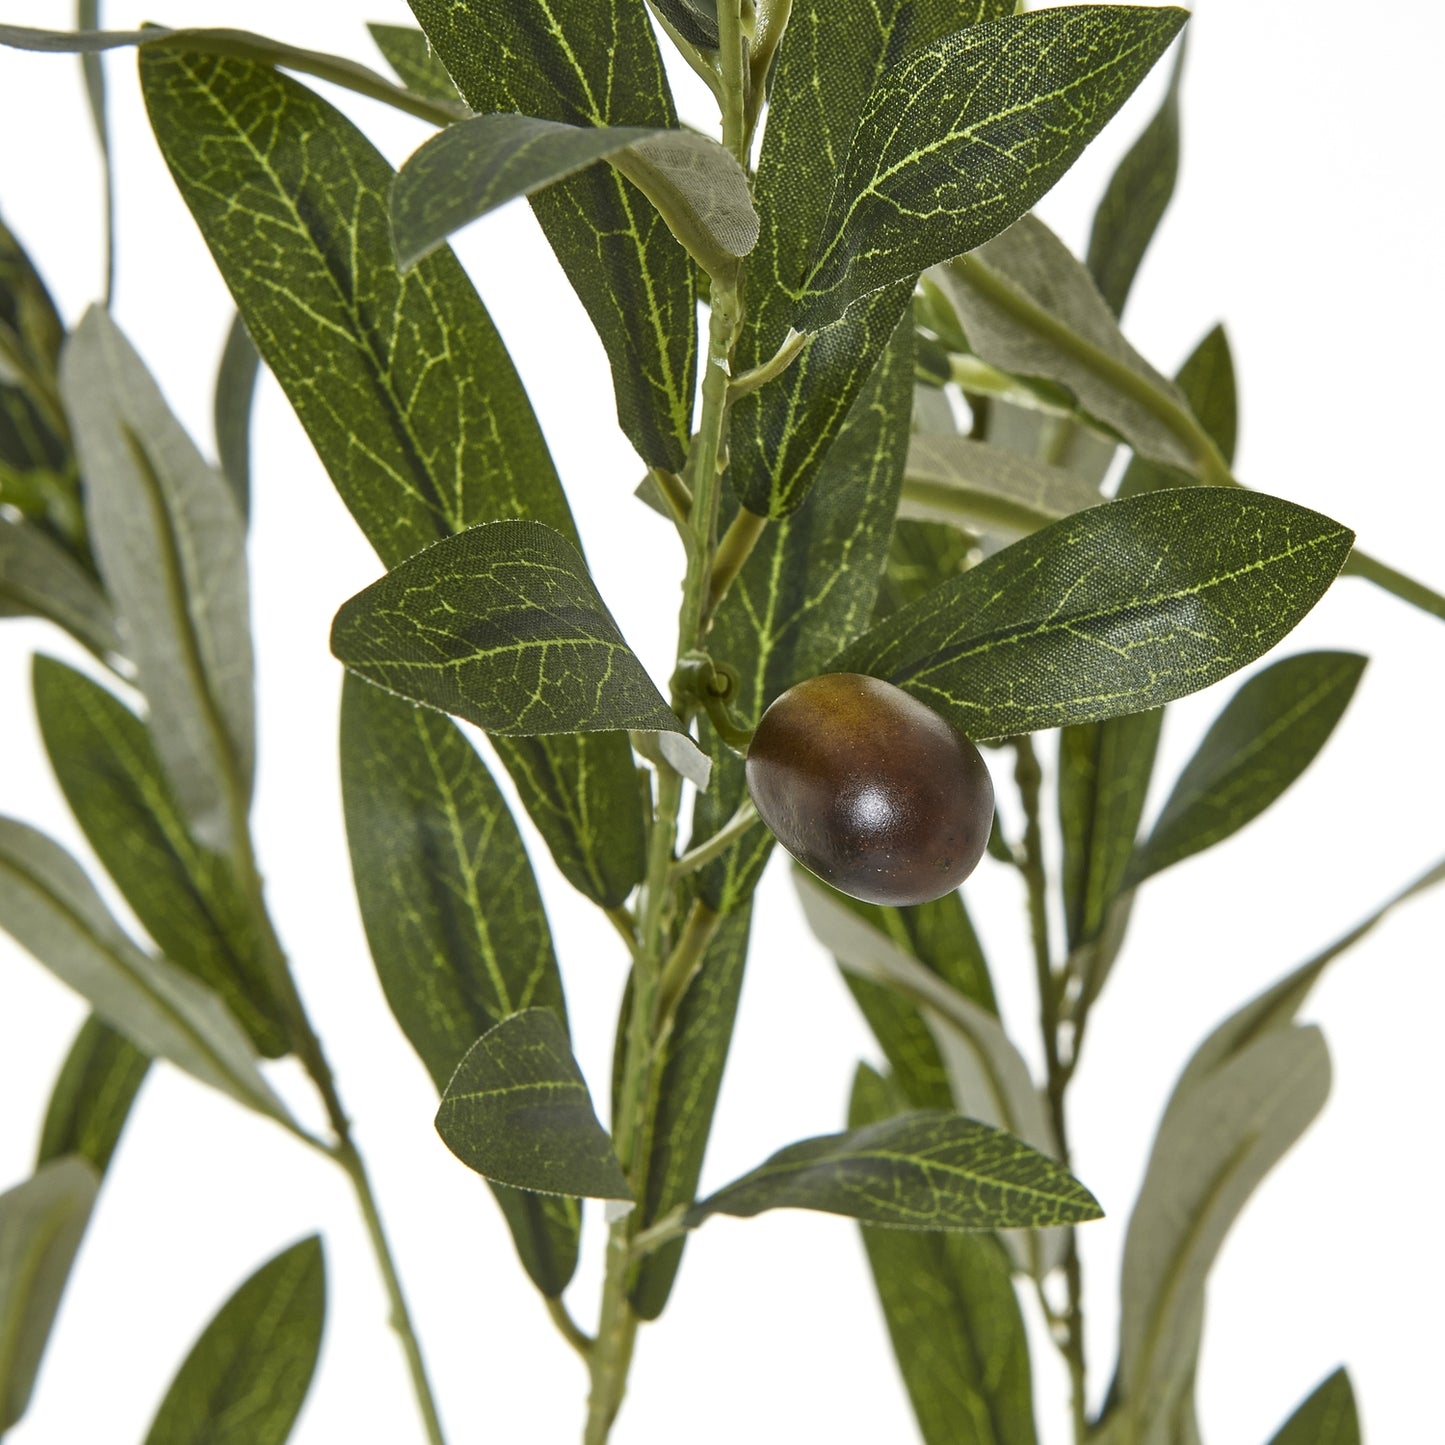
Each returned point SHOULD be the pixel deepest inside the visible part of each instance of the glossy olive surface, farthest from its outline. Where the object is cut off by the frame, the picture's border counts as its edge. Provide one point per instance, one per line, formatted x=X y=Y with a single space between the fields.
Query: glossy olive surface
x=870 y=789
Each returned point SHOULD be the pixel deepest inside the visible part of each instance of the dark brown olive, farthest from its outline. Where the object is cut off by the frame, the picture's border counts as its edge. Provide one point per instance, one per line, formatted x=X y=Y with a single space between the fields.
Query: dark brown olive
x=870 y=789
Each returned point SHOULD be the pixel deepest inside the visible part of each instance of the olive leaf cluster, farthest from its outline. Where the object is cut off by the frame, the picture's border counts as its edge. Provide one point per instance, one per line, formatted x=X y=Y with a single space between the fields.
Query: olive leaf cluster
x=910 y=441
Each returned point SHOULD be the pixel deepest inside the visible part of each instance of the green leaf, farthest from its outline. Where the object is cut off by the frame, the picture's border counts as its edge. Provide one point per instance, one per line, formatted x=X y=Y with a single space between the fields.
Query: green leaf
x=1206 y=382
x=694 y=20
x=242 y=45
x=958 y=140
x=921 y=556
x=93 y=1095
x=1031 y=309
x=172 y=552
x=409 y=53
x=500 y=625
x=402 y=383
x=517 y=1111
x=31 y=331
x=1113 y=610
x=39 y=577
x=453 y=916
x=50 y=908
x=1104 y=773
x=246 y=1377
x=952 y=1315
x=41 y=1224
x=1221 y=1134
x=830 y=59
x=692 y=1071
x=1327 y=1417
x=986 y=488
x=594 y=63
x=235 y=391
x=1138 y=193
x=185 y=896
x=476 y=165
x=1267 y=735
x=792 y=605
x=922 y=1170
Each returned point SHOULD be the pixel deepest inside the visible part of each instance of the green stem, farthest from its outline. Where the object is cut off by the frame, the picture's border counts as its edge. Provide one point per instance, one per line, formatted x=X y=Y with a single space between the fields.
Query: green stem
x=682 y=966
x=732 y=554
x=1403 y=587
x=570 y=1330
x=736 y=827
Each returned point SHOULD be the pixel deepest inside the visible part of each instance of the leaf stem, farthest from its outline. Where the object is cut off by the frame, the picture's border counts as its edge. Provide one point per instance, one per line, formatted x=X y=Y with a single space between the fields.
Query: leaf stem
x=682 y=966
x=733 y=552
x=749 y=381
x=570 y=1330
x=739 y=824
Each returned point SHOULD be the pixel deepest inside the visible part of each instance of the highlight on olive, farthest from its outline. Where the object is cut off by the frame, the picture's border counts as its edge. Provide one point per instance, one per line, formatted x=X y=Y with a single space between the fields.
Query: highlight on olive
x=870 y=789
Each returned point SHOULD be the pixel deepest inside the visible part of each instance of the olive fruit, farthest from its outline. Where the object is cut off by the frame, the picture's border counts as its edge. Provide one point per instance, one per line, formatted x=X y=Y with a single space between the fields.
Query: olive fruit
x=870 y=789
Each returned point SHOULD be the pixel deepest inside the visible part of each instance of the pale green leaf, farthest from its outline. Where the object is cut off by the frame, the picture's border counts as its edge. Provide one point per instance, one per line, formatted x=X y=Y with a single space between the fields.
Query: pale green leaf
x=41 y=1225
x=172 y=551
x=39 y=577
x=518 y=1112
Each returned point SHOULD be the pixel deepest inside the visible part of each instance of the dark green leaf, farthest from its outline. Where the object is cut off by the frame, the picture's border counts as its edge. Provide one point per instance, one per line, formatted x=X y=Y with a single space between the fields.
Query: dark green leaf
x=1113 y=610
x=476 y=165
x=1220 y=1135
x=985 y=488
x=694 y=20
x=185 y=896
x=953 y=1317
x=958 y=140
x=235 y=390
x=39 y=577
x=500 y=625
x=31 y=331
x=692 y=1075
x=246 y=1377
x=1104 y=773
x=50 y=908
x=172 y=552
x=453 y=916
x=402 y=383
x=1267 y=735
x=1031 y=309
x=1206 y=382
x=1136 y=197
x=517 y=1111
x=1327 y=1417
x=241 y=45
x=830 y=59
x=92 y=1098
x=793 y=605
x=921 y=556
x=409 y=53
x=923 y=1170
x=594 y=63
x=41 y=1224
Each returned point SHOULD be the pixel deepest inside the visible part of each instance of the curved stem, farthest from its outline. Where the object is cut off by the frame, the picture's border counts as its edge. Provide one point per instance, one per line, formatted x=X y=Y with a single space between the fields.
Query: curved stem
x=736 y=827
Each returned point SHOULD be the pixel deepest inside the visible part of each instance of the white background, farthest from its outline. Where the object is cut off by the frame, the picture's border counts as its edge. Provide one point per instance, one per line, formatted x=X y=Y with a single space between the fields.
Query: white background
x=1308 y=219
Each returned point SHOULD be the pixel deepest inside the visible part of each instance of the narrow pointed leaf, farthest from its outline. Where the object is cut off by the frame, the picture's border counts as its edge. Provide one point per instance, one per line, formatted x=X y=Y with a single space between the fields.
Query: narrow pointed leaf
x=50 y=908
x=1138 y=194
x=452 y=912
x=792 y=606
x=476 y=165
x=691 y=1078
x=1114 y=610
x=1030 y=308
x=185 y=896
x=172 y=551
x=959 y=140
x=953 y=1317
x=402 y=383
x=500 y=625
x=235 y=392
x=38 y=577
x=246 y=1377
x=1267 y=735
x=1327 y=1417
x=1104 y=773
x=41 y=1224
x=31 y=331
x=1216 y=1143
x=922 y=1170
x=93 y=1095
x=955 y=479
x=409 y=53
x=594 y=63
x=694 y=20
x=518 y=1112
